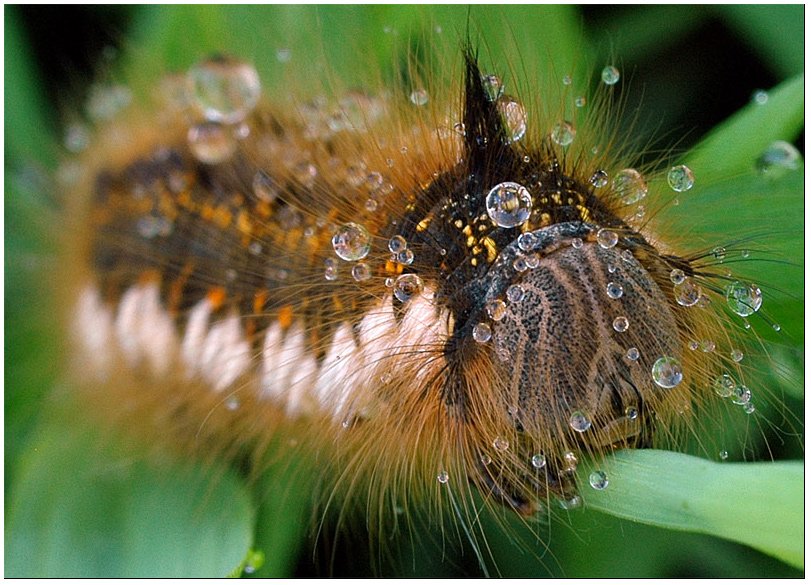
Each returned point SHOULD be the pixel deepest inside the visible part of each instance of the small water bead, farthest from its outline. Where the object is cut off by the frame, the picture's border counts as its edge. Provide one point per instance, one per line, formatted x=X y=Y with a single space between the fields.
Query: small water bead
x=707 y=346
x=723 y=455
x=737 y=355
x=667 y=372
x=520 y=264
x=687 y=292
x=607 y=238
x=630 y=186
x=501 y=444
x=514 y=117
x=407 y=286
x=614 y=290
x=352 y=242
x=677 y=276
x=563 y=133
x=533 y=261
x=361 y=272
x=397 y=244
x=77 y=138
x=719 y=252
x=509 y=204
x=681 y=178
x=598 y=480
x=744 y=299
x=632 y=354
x=515 y=293
x=255 y=248
x=370 y=205
x=776 y=326
x=572 y=503
x=749 y=408
x=226 y=90
x=741 y=395
x=745 y=253
x=611 y=268
x=627 y=255
x=760 y=97
x=493 y=87
x=577 y=243
x=580 y=101
x=567 y=79
x=482 y=332
x=496 y=309
x=419 y=97
x=330 y=269
x=459 y=128
x=779 y=158
x=405 y=257
x=442 y=477
x=527 y=241
x=610 y=75
x=211 y=143
x=599 y=179
x=693 y=345
x=264 y=188
x=538 y=461
x=724 y=385
x=151 y=226
x=570 y=461
x=621 y=324
x=631 y=413
x=579 y=422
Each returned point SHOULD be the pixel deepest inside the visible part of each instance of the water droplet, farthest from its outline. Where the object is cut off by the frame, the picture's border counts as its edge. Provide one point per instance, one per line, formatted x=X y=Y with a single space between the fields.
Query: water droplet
x=577 y=243
x=598 y=480
x=211 y=142
x=667 y=372
x=707 y=346
x=579 y=422
x=571 y=504
x=687 y=292
x=501 y=444
x=496 y=309
x=680 y=178
x=397 y=244
x=621 y=324
x=520 y=264
x=607 y=238
x=723 y=455
x=719 y=252
x=406 y=286
x=580 y=101
x=330 y=269
x=632 y=354
x=760 y=97
x=745 y=253
x=569 y=461
x=779 y=158
x=485 y=459
x=724 y=385
x=509 y=204
x=563 y=133
x=631 y=413
x=744 y=299
x=515 y=293
x=255 y=248
x=264 y=188
x=693 y=345
x=225 y=90
x=77 y=138
x=599 y=179
x=533 y=260
x=492 y=87
x=527 y=241
x=627 y=255
x=538 y=461
x=419 y=97
x=737 y=355
x=610 y=75
x=370 y=205
x=442 y=477
x=459 y=128
x=611 y=268
x=630 y=186
x=513 y=116
x=352 y=242
x=567 y=79
x=776 y=326
x=676 y=276
x=405 y=257
x=151 y=226
x=614 y=290
x=283 y=55
x=741 y=394
x=749 y=408
x=482 y=332
x=361 y=272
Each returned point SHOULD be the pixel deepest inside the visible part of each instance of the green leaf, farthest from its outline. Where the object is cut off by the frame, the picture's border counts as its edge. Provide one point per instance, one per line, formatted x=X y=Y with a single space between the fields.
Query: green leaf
x=81 y=510
x=734 y=146
x=758 y=504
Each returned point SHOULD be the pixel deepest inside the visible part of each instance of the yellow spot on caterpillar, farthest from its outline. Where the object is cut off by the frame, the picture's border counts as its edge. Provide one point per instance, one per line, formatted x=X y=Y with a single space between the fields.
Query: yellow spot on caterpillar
x=492 y=252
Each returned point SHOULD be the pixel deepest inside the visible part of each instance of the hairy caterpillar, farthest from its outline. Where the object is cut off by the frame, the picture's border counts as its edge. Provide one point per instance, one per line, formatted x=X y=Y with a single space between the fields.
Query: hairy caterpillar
x=435 y=470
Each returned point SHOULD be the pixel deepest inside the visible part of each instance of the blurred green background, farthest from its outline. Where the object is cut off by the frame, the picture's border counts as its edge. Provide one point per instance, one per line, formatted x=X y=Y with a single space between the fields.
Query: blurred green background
x=75 y=508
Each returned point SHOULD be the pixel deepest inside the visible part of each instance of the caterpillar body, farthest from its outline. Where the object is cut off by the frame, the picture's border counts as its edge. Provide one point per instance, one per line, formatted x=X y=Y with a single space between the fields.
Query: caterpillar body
x=447 y=305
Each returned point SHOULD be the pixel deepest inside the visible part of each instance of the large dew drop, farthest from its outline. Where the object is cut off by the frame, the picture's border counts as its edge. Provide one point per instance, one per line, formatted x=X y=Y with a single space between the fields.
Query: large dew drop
x=680 y=178
x=778 y=158
x=211 y=142
x=225 y=90
x=610 y=75
x=667 y=372
x=563 y=133
x=687 y=292
x=509 y=204
x=744 y=299
x=514 y=117
x=630 y=186
x=407 y=286
x=579 y=422
x=352 y=242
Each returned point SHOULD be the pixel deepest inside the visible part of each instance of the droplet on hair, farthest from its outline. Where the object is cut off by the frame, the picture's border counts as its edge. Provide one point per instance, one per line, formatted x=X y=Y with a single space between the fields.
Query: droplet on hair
x=680 y=178
x=225 y=90
x=352 y=242
x=598 y=480
x=509 y=204
x=667 y=372
x=610 y=75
